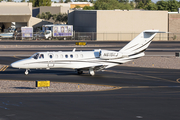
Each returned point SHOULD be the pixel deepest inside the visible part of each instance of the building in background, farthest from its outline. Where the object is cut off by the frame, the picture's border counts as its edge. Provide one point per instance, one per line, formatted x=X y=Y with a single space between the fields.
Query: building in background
x=52 y=10
x=17 y=15
x=174 y=28
x=110 y=24
x=98 y=24
x=57 y=8
x=72 y=5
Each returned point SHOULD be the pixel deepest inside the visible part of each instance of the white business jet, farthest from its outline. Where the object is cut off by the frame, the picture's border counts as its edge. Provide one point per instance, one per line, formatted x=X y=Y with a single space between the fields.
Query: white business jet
x=91 y=61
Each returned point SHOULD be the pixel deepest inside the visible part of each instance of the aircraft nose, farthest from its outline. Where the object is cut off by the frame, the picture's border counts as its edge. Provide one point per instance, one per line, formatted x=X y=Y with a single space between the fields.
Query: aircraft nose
x=14 y=65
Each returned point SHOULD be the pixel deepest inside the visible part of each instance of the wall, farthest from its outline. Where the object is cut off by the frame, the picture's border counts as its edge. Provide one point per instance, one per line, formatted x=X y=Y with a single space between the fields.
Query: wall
x=82 y=21
x=52 y=10
x=15 y=12
x=64 y=9
x=35 y=11
x=111 y=21
x=174 y=26
x=60 y=4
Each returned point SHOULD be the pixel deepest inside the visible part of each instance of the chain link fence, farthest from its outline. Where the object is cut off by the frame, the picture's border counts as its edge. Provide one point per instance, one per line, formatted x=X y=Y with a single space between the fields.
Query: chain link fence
x=91 y=36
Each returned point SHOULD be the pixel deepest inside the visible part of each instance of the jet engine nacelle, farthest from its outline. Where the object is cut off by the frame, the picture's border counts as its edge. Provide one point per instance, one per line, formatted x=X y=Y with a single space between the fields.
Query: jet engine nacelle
x=110 y=55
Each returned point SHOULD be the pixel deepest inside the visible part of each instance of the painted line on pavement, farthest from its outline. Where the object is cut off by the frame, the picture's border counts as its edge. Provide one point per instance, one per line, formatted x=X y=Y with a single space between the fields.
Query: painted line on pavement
x=4 y=68
x=17 y=57
x=178 y=80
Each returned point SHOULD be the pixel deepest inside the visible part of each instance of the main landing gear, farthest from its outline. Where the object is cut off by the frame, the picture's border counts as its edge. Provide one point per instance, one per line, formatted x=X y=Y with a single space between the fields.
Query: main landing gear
x=91 y=72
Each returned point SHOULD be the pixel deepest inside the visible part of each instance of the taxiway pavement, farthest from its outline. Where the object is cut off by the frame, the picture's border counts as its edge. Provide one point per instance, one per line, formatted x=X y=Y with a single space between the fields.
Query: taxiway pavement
x=146 y=93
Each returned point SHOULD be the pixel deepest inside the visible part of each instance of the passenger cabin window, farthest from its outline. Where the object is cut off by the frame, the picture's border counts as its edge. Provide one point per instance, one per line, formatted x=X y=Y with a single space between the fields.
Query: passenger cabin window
x=61 y=56
x=50 y=56
x=66 y=56
x=76 y=55
x=71 y=56
x=41 y=56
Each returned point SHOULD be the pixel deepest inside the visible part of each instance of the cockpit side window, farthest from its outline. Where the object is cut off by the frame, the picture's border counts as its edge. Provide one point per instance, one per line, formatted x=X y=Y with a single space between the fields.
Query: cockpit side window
x=41 y=56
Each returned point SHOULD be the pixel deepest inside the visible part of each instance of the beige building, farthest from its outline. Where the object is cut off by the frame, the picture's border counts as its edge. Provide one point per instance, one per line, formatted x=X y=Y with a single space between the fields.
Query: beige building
x=174 y=26
x=17 y=14
x=103 y=24
x=114 y=24
x=53 y=10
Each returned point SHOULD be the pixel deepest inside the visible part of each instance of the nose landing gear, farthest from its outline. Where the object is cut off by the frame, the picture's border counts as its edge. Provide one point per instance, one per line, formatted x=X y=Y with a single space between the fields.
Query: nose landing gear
x=26 y=72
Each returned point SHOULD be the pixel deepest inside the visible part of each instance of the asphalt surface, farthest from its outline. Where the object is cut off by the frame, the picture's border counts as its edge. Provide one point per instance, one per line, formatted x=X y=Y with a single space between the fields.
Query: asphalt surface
x=156 y=48
x=154 y=44
x=146 y=93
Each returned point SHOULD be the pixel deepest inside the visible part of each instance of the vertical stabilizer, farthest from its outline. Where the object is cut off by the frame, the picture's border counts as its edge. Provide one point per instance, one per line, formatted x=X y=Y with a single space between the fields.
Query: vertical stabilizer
x=139 y=44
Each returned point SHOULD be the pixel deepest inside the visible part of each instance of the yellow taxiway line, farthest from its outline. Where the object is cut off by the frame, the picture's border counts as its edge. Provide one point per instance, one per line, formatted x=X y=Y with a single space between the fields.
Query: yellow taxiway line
x=4 y=68
x=16 y=57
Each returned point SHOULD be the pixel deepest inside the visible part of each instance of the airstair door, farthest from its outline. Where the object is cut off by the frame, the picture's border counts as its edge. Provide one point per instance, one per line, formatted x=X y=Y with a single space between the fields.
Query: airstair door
x=51 y=62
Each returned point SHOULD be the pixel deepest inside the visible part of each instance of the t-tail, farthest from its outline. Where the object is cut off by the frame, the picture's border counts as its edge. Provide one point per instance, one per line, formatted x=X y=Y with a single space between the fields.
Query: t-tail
x=139 y=44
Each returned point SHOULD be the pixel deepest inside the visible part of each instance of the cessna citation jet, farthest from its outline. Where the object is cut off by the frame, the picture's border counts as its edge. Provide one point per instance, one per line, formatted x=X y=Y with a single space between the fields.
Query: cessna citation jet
x=91 y=61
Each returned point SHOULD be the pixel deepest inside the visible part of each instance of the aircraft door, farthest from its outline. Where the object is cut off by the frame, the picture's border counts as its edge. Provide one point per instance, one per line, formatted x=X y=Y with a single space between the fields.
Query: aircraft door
x=51 y=62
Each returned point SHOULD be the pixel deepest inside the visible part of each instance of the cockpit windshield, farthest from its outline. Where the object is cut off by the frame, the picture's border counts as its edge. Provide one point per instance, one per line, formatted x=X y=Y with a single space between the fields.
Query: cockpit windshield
x=38 y=56
x=35 y=56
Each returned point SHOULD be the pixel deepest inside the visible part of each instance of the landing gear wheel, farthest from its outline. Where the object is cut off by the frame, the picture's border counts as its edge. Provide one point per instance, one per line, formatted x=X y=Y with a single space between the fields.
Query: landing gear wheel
x=91 y=72
x=26 y=72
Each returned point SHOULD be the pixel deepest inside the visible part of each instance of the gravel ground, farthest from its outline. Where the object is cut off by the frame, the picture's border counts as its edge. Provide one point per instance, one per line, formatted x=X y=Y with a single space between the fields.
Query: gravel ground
x=1 y=66
x=7 y=86
x=11 y=86
x=167 y=62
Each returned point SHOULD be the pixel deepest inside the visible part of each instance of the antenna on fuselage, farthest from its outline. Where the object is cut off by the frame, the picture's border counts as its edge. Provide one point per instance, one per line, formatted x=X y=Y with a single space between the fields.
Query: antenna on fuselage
x=74 y=49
